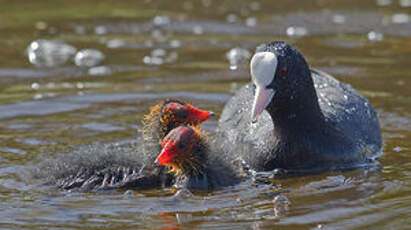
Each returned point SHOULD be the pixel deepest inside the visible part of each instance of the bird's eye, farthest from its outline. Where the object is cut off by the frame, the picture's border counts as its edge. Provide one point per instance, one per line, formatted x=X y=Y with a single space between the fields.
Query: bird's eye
x=283 y=70
x=182 y=145
x=183 y=114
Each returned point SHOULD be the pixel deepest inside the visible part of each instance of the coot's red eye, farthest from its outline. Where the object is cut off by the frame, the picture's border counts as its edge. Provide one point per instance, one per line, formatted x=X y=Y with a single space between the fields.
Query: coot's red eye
x=283 y=70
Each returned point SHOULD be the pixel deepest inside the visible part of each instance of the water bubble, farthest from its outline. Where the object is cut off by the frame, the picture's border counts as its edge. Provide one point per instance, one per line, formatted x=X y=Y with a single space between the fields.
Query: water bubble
x=158 y=53
x=152 y=60
x=49 y=53
x=400 y=18
x=38 y=96
x=99 y=71
x=383 y=2
x=296 y=31
x=40 y=25
x=115 y=43
x=405 y=3
x=80 y=85
x=35 y=85
x=339 y=19
x=158 y=35
x=100 y=30
x=51 y=85
x=198 y=30
x=161 y=20
x=88 y=57
x=397 y=149
x=147 y=60
x=375 y=36
x=67 y=85
x=175 y=43
x=251 y=21
x=232 y=18
x=236 y=55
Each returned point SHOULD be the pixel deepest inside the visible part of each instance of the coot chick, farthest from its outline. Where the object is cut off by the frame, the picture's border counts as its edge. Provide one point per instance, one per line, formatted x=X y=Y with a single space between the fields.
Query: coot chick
x=123 y=166
x=168 y=115
x=293 y=117
x=185 y=150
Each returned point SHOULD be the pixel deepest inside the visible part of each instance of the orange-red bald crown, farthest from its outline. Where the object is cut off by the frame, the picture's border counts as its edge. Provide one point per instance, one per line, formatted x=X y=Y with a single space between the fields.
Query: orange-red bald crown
x=186 y=113
x=176 y=145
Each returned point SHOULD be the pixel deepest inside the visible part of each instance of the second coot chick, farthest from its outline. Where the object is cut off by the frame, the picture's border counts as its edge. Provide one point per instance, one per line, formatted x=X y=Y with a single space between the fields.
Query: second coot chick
x=186 y=151
x=123 y=166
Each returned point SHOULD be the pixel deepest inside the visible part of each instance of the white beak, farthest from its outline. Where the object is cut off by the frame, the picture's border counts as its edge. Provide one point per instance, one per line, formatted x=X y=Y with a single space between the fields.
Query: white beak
x=262 y=98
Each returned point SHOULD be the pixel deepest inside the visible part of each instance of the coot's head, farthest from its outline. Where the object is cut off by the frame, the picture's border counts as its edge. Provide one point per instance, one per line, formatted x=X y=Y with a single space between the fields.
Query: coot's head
x=183 y=113
x=170 y=114
x=182 y=150
x=281 y=76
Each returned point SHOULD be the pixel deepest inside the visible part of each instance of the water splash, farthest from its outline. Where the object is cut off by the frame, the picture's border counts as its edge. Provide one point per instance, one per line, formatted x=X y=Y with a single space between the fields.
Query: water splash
x=88 y=58
x=49 y=53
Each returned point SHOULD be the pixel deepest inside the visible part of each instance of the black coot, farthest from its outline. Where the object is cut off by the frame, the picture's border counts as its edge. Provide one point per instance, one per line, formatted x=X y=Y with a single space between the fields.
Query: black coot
x=123 y=166
x=293 y=117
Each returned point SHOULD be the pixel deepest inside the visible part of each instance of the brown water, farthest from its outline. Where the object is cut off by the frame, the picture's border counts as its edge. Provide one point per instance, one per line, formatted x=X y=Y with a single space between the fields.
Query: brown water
x=45 y=112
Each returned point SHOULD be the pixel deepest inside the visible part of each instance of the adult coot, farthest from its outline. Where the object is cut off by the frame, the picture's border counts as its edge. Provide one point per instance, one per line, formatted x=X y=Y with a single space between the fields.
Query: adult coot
x=293 y=117
x=123 y=166
x=186 y=151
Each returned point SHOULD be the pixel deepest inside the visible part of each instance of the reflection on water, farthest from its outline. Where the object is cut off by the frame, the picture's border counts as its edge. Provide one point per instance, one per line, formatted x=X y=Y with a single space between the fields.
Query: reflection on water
x=145 y=51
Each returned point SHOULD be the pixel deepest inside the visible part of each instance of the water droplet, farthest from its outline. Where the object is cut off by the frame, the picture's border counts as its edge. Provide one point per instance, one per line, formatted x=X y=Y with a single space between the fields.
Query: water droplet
x=38 y=96
x=100 y=30
x=115 y=43
x=198 y=30
x=35 y=85
x=237 y=55
x=175 y=43
x=339 y=19
x=99 y=71
x=161 y=20
x=41 y=25
x=296 y=31
x=88 y=57
x=397 y=149
x=158 y=35
x=80 y=85
x=400 y=18
x=375 y=36
x=383 y=2
x=158 y=53
x=49 y=53
x=405 y=3
x=251 y=22
x=232 y=18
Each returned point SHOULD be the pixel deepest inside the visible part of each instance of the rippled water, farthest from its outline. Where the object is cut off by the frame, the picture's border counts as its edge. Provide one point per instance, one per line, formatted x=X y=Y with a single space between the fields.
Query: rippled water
x=154 y=50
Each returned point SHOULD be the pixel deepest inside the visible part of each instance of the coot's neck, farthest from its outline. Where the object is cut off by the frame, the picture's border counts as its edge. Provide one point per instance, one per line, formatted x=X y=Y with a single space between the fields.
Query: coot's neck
x=195 y=161
x=193 y=174
x=295 y=112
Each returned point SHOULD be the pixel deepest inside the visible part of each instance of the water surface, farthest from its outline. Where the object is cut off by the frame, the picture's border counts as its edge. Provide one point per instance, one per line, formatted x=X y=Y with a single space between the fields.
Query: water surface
x=47 y=111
